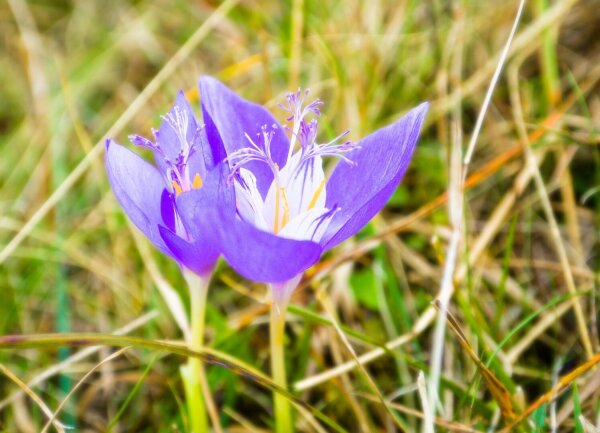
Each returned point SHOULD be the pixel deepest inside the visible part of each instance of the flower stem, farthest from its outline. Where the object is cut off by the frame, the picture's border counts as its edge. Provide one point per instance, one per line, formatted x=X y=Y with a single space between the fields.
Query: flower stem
x=190 y=372
x=283 y=409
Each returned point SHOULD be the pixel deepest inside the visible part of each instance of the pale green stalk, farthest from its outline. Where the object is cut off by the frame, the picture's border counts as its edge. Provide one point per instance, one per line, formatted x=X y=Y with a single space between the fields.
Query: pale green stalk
x=283 y=409
x=190 y=372
x=281 y=295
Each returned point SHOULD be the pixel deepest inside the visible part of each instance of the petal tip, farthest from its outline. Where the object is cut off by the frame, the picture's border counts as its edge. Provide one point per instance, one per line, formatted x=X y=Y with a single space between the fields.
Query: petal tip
x=421 y=110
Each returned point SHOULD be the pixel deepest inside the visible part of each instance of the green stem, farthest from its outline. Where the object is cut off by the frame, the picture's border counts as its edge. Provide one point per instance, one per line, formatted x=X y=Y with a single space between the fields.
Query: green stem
x=190 y=372
x=283 y=408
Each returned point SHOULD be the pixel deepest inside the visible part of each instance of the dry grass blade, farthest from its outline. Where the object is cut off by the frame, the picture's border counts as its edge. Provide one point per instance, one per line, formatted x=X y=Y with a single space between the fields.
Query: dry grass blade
x=562 y=384
x=76 y=357
x=588 y=427
x=45 y=409
x=81 y=382
x=449 y=425
x=206 y=355
x=365 y=358
x=496 y=387
x=538 y=329
x=521 y=41
x=211 y=407
x=587 y=390
x=246 y=425
x=474 y=179
x=547 y=207
x=330 y=312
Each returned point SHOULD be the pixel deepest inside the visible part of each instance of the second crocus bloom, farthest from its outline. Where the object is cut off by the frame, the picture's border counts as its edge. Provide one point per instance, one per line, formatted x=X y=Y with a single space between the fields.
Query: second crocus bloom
x=286 y=211
x=156 y=197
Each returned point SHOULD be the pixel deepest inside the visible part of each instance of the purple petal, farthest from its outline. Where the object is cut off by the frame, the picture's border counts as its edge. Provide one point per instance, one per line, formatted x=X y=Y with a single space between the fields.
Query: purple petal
x=167 y=209
x=362 y=189
x=215 y=146
x=139 y=188
x=229 y=117
x=193 y=206
x=198 y=256
x=259 y=255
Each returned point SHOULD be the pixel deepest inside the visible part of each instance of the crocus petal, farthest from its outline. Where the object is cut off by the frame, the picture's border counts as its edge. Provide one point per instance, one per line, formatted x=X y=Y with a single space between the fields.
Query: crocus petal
x=192 y=206
x=309 y=225
x=229 y=117
x=192 y=241
x=361 y=190
x=139 y=188
x=249 y=203
x=305 y=187
x=167 y=209
x=199 y=256
x=259 y=255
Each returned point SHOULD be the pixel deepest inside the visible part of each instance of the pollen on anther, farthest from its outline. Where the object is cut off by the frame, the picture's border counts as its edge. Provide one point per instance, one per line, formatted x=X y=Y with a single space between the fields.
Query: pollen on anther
x=197 y=182
x=177 y=188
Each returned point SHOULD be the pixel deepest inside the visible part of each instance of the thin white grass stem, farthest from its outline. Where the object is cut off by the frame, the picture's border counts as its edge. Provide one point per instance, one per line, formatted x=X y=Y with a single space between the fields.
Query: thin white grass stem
x=522 y=41
x=447 y=286
x=141 y=100
x=588 y=427
x=492 y=86
x=455 y=210
x=428 y=422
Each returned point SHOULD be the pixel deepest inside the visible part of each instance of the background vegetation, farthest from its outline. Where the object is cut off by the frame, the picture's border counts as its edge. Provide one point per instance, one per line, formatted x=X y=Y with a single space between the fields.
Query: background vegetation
x=525 y=284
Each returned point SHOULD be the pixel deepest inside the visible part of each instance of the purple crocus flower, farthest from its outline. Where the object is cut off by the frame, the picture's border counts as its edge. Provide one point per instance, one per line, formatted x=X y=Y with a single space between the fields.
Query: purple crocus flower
x=287 y=212
x=154 y=197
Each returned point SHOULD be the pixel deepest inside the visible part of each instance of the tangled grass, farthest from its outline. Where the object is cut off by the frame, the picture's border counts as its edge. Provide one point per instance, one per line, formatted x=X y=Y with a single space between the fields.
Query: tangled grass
x=514 y=253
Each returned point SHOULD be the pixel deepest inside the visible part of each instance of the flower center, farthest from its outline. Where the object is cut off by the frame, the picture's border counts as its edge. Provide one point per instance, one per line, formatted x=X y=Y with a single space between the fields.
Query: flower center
x=295 y=203
x=281 y=195
x=176 y=169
